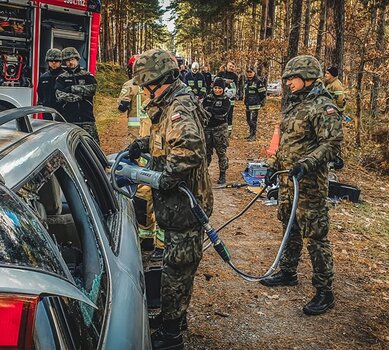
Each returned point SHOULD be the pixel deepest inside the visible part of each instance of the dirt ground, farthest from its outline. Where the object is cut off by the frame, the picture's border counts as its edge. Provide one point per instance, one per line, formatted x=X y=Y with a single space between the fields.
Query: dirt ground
x=227 y=312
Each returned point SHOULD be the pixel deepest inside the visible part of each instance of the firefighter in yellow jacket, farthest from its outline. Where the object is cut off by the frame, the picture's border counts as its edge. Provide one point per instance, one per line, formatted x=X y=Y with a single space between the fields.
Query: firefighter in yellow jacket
x=130 y=100
x=335 y=87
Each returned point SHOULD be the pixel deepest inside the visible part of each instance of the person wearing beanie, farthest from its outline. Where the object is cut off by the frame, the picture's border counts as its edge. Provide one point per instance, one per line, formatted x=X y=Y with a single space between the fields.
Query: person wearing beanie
x=217 y=104
x=254 y=97
x=335 y=87
x=46 y=92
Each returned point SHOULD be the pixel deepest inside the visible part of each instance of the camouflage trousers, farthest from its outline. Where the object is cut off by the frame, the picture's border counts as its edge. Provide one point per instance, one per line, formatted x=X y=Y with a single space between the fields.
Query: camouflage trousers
x=90 y=128
x=217 y=138
x=312 y=224
x=182 y=255
x=252 y=119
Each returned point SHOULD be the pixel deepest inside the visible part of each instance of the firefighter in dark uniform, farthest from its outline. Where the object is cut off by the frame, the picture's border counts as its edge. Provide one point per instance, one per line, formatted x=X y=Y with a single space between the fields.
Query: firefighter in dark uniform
x=216 y=131
x=46 y=92
x=196 y=81
x=254 y=97
x=208 y=78
x=74 y=90
x=311 y=136
x=231 y=79
x=177 y=148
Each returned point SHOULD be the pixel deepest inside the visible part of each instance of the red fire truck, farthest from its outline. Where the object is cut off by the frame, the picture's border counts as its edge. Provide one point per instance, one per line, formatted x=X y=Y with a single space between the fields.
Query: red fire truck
x=28 y=29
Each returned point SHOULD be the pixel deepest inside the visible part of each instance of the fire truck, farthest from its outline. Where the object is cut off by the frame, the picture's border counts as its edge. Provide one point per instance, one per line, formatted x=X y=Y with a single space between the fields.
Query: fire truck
x=28 y=29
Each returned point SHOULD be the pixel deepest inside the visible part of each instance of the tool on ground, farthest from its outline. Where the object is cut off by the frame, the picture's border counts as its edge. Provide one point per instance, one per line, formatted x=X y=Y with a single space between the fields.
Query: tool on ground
x=138 y=175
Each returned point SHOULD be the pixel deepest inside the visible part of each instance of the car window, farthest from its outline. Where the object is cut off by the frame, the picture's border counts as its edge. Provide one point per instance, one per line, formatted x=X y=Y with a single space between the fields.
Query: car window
x=92 y=163
x=66 y=212
x=23 y=240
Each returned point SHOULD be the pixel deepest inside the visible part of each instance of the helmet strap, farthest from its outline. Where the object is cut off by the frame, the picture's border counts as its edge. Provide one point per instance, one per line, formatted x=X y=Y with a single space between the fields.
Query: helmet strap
x=160 y=83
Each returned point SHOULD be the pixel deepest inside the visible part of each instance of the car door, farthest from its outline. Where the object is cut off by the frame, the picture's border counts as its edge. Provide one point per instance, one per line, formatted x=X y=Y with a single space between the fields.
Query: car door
x=32 y=272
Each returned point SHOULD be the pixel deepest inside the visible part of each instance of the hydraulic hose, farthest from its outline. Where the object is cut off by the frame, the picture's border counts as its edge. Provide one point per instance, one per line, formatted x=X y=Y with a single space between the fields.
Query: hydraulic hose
x=219 y=245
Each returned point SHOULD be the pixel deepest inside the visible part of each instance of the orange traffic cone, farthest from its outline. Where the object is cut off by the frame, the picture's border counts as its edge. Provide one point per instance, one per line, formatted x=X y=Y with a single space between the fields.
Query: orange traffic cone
x=275 y=141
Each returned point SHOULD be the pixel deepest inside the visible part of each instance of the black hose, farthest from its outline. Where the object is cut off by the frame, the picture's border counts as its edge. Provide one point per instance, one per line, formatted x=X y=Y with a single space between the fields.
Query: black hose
x=218 y=244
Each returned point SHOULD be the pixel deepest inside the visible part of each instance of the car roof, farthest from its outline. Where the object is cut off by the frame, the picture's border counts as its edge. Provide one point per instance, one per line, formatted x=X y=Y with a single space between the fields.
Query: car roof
x=21 y=151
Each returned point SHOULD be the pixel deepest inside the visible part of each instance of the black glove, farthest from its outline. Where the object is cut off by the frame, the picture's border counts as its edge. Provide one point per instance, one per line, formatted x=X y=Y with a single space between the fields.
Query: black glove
x=298 y=171
x=124 y=106
x=134 y=150
x=269 y=174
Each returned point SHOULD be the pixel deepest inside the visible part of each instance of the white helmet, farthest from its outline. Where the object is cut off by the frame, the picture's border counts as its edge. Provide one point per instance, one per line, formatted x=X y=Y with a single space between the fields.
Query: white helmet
x=195 y=67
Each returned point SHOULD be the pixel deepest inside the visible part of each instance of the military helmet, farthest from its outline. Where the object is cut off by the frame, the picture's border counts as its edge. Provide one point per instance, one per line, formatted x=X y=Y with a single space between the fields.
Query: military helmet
x=53 y=55
x=306 y=67
x=70 y=52
x=153 y=65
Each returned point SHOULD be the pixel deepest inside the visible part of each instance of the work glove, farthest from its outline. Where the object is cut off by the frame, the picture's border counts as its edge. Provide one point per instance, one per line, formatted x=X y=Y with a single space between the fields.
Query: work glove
x=269 y=174
x=124 y=106
x=134 y=151
x=298 y=171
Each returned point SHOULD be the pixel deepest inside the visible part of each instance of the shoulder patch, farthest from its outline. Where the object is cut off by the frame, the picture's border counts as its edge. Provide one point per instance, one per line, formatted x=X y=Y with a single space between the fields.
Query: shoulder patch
x=175 y=117
x=330 y=110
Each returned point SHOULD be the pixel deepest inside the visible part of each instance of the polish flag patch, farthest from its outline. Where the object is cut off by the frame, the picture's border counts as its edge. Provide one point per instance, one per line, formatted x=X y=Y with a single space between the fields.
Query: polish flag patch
x=330 y=110
x=176 y=116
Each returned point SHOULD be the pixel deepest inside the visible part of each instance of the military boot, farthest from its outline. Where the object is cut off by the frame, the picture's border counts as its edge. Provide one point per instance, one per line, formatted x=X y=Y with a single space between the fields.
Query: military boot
x=320 y=303
x=168 y=336
x=252 y=137
x=222 y=178
x=155 y=321
x=281 y=278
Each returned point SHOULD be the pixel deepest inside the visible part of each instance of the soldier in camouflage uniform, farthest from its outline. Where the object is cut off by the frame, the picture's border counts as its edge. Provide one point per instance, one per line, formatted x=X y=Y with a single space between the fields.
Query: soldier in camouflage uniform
x=177 y=147
x=216 y=131
x=311 y=136
x=74 y=90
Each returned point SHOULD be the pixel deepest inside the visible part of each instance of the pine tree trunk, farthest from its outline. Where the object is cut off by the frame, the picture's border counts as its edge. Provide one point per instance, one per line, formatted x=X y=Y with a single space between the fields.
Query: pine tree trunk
x=321 y=29
x=264 y=18
x=307 y=22
x=380 y=46
x=338 y=52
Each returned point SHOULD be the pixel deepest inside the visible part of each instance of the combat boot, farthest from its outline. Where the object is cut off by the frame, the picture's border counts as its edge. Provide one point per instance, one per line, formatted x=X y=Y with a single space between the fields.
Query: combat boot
x=157 y=255
x=321 y=302
x=168 y=336
x=222 y=178
x=281 y=278
x=155 y=321
x=252 y=138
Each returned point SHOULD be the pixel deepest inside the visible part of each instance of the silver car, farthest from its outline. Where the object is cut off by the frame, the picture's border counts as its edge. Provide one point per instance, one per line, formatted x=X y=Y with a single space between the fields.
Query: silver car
x=71 y=274
x=274 y=88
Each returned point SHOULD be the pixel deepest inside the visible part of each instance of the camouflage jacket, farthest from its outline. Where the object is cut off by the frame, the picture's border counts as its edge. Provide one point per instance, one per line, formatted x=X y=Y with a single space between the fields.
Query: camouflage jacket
x=177 y=146
x=336 y=89
x=127 y=99
x=74 y=90
x=311 y=131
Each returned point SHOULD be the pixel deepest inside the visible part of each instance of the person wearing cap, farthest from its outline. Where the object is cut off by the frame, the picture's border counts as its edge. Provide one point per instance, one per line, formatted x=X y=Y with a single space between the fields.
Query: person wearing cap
x=46 y=92
x=335 y=87
x=177 y=148
x=74 y=90
x=216 y=131
x=196 y=81
x=254 y=97
x=311 y=136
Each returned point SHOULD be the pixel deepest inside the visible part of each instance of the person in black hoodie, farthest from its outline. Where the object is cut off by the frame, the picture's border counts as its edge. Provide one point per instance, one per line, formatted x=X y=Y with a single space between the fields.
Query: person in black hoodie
x=217 y=104
x=74 y=90
x=46 y=92
x=254 y=96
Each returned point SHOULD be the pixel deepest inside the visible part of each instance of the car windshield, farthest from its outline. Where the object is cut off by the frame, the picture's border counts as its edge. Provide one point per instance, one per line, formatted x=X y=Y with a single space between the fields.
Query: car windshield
x=23 y=241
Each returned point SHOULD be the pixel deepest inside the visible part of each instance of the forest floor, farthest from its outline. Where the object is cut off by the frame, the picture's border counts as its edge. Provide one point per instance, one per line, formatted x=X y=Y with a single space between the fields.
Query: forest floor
x=227 y=312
